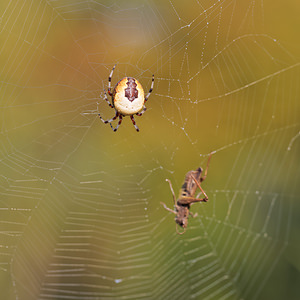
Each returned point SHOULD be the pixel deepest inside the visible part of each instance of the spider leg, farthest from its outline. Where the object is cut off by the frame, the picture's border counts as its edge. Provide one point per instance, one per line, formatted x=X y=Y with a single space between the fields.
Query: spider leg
x=110 y=120
x=106 y=99
x=134 y=124
x=109 y=80
x=119 y=123
x=140 y=113
x=151 y=89
x=167 y=208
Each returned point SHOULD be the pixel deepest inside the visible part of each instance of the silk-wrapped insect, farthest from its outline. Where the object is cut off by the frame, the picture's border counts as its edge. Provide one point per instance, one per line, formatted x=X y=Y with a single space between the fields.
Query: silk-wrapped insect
x=193 y=180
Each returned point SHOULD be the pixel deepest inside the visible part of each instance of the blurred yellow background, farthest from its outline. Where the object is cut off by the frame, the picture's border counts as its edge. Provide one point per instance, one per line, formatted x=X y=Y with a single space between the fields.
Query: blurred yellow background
x=80 y=209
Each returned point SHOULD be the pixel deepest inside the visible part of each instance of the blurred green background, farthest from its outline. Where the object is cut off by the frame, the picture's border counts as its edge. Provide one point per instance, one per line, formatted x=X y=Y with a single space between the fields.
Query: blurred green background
x=80 y=209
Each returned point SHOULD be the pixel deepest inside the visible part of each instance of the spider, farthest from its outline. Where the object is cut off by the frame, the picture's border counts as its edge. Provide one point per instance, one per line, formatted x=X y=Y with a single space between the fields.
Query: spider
x=127 y=99
x=186 y=198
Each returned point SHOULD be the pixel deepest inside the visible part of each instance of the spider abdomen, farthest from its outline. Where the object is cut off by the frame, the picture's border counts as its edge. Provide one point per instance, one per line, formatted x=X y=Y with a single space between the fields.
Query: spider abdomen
x=127 y=99
x=128 y=96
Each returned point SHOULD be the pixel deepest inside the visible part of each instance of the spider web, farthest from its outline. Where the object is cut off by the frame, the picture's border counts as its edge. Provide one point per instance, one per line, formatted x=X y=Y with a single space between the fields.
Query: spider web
x=80 y=205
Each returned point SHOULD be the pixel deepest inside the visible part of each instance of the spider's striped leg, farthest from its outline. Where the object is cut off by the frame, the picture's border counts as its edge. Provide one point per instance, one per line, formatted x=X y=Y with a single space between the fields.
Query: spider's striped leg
x=109 y=81
x=151 y=89
x=140 y=113
x=110 y=120
x=106 y=99
x=119 y=123
x=134 y=124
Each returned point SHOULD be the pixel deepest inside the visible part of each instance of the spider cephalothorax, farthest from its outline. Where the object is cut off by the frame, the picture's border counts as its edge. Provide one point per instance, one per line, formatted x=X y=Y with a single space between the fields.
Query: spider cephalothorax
x=128 y=99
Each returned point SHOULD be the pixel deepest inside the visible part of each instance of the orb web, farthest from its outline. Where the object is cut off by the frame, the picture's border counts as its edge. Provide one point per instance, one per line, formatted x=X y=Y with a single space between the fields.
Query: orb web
x=80 y=205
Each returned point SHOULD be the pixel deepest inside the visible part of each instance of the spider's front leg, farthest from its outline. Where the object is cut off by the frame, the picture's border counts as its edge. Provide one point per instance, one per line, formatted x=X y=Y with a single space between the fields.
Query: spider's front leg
x=151 y=89
x=109 y=81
